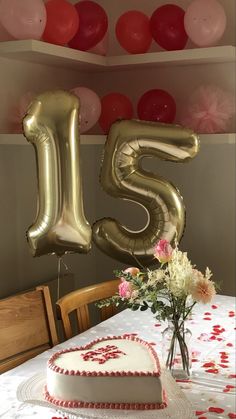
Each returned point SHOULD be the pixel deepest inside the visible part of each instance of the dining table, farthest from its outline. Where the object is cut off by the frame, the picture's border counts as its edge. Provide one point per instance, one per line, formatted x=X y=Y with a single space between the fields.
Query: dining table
x=211 y=387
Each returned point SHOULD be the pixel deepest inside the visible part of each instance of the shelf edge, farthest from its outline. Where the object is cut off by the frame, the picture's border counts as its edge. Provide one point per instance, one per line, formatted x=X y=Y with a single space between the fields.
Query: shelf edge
x=206 y=139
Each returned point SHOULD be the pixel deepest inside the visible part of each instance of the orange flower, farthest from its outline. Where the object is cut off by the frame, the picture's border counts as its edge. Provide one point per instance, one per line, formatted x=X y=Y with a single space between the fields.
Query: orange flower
x=203 y=289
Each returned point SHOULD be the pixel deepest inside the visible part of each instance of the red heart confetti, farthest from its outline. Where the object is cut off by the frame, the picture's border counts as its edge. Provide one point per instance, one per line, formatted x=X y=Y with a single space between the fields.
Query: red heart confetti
x=208 y=364
x=229 y=344
x=232 y=376
x=214 y=306
x=157 y=324
x=216 y=409
x=226 y=390
x=206 y=318
x=231 y=415
x=223 y=365
x=202 y=417
x=56 y=417
x=229 y=386
x=200 y=412
x=207 y=313
x=212 y=371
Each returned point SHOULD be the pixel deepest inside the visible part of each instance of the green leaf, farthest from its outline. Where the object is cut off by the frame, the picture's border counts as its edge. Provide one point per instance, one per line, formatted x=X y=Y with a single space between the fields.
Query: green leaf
x=135 y=307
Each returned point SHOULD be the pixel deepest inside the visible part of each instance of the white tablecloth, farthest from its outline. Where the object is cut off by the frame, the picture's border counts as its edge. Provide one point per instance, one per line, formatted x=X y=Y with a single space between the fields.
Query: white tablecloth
x=212 y=386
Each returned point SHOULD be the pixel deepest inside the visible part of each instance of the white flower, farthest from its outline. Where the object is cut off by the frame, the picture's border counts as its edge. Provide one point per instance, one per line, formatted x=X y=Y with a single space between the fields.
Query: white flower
x=155 y=276
x=179 y=274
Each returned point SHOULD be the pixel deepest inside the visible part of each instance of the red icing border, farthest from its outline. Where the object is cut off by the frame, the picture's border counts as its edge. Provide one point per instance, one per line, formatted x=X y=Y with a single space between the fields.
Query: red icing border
x=102 y=405
x=64 y=371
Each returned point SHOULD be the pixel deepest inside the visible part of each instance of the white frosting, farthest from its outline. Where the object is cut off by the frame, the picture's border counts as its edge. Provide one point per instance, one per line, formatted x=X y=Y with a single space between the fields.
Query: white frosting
x=135 y=358
x=105 y=389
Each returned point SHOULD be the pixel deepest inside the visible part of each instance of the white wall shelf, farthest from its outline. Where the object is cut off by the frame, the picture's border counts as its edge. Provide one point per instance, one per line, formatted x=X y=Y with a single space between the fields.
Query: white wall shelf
x=184 y=57
x=53 y=55
x=19 y=139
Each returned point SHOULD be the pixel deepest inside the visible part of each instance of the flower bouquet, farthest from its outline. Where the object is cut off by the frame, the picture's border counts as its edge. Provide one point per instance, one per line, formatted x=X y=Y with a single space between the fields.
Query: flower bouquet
x=170 y=292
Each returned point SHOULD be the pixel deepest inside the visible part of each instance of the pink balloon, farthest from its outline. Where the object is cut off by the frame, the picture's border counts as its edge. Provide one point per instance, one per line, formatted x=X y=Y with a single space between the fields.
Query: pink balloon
x=18 y=111
x=4 y=35
x=90 y=107
x=23 y=19
x=205 y=22
x=102 y=47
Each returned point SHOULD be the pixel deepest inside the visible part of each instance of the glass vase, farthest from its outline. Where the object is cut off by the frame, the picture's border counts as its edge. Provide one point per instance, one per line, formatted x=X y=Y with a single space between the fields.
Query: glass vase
x=176 y=349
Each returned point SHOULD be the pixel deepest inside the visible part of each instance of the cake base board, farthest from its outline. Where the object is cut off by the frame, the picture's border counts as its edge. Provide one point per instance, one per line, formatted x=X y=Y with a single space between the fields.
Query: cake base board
x=179 y=407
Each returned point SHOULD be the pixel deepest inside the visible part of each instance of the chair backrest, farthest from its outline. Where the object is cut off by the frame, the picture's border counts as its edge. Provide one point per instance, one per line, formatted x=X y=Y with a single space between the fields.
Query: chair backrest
x=78 y=301
x=27 y=327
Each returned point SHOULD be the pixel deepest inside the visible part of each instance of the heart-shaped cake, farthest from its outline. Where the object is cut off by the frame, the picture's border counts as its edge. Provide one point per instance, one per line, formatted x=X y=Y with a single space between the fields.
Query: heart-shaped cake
x=116 y=372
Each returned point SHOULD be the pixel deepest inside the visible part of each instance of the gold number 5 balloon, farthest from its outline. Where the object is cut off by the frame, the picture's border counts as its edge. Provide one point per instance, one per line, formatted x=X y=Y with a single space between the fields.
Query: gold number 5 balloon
x=123 y=177
x=51 y=125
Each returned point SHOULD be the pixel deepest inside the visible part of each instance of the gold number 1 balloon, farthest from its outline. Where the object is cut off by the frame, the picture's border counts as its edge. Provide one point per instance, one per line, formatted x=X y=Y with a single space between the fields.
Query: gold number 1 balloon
x=123 y=177
x=51 y=125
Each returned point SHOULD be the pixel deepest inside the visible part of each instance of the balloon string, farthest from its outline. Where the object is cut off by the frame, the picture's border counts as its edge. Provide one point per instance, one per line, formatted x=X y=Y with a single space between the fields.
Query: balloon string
x=138 y=262
x=58 y=276
x=66 y=266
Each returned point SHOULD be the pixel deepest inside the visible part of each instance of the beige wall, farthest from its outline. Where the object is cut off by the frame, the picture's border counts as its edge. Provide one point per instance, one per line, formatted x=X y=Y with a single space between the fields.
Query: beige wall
x=207 y=185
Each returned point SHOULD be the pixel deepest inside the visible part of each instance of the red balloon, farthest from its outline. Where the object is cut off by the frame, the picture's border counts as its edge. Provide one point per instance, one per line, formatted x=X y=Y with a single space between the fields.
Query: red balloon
x=93 y=25
x=157 y=105
x=167 y=27
x=62 y=22
x=114 y=106
x=133 y=32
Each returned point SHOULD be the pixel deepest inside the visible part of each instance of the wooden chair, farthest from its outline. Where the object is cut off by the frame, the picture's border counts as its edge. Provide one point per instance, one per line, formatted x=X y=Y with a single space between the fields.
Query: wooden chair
x=27 y=327
x=77 y=301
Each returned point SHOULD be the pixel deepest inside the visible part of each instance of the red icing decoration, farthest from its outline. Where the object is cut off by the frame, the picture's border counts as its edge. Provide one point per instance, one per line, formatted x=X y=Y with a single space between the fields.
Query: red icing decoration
x=102 y=405
x=103 y=354
x=232 y=415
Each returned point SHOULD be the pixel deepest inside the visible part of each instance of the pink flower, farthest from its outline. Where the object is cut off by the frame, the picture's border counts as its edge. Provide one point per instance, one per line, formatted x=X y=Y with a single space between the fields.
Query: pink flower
x=125 y=289
x=203 y=289
x=163 y=251
x=132 y=271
